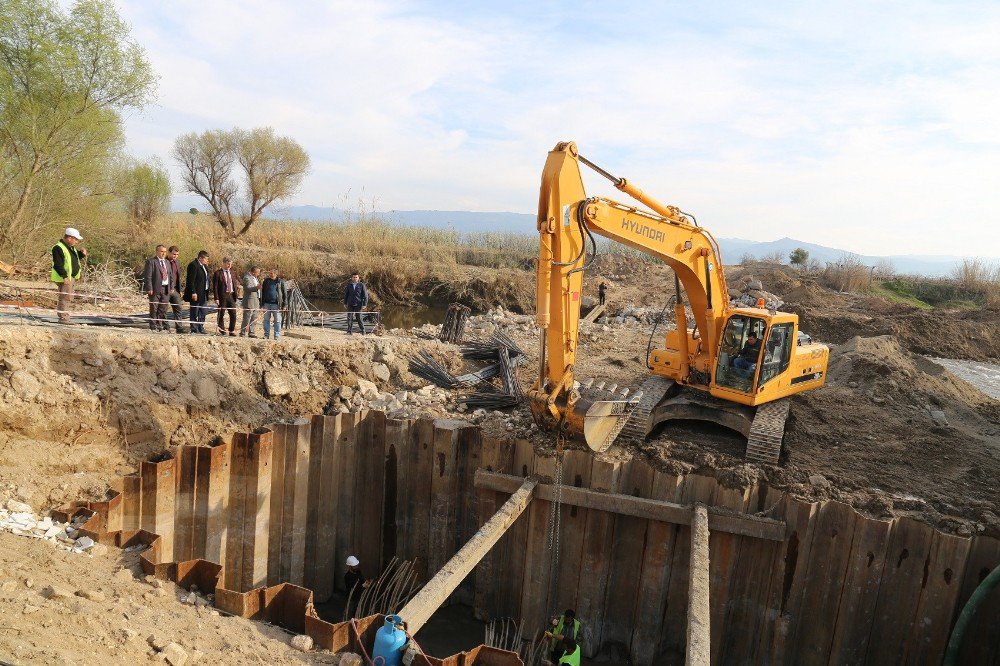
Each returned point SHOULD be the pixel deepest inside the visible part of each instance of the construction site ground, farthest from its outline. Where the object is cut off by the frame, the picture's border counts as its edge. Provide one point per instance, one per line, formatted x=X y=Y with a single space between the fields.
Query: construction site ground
x=891 y=433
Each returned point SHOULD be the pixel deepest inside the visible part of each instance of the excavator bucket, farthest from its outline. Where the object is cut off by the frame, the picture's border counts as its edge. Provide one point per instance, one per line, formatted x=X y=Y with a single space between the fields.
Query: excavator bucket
x=600 y=414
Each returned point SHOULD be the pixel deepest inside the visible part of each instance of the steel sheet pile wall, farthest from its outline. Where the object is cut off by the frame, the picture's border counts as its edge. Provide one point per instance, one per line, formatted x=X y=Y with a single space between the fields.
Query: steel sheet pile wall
x=282 y=508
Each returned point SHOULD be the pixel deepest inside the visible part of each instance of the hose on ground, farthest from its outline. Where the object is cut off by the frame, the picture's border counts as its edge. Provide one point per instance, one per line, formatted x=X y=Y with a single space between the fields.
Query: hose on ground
x=968 y=613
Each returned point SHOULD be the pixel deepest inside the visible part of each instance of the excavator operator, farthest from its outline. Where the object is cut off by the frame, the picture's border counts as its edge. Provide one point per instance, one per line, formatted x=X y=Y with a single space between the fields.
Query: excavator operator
x=746 y=362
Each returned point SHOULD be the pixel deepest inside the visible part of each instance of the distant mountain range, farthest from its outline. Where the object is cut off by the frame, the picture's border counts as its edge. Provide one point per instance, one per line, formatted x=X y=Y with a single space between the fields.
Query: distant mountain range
x=733 y=249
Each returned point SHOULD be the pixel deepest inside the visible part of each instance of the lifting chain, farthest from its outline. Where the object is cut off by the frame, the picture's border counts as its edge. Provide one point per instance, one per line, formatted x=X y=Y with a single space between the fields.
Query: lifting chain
x=555 y=520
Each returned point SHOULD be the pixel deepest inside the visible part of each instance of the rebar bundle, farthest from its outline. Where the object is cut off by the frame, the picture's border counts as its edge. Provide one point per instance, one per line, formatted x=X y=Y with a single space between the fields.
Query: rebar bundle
x=427 y=368
x=506 y=634
x=453 y=328
x=395 y=586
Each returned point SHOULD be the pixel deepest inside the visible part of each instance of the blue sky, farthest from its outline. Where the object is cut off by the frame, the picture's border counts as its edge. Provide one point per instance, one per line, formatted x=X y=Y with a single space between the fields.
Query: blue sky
x=869 y=126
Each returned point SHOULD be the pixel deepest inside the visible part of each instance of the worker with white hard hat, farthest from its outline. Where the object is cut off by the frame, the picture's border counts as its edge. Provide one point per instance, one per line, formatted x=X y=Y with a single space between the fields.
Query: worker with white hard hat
x=354 y=582
x=67 y=267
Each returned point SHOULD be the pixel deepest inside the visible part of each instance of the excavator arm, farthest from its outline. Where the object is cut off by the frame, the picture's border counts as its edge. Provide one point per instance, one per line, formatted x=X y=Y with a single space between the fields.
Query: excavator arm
x=567 y=218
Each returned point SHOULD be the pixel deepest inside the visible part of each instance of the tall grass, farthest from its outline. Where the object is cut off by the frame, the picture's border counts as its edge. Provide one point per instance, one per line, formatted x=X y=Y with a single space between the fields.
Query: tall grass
x=848 y=274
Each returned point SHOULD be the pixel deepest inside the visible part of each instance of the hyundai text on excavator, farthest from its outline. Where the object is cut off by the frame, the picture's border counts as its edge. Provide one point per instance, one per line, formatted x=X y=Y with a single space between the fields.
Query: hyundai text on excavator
x=695 y=374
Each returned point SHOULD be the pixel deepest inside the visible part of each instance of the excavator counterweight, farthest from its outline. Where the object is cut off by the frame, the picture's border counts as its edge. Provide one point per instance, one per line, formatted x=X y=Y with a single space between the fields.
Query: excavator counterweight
x=734 y=366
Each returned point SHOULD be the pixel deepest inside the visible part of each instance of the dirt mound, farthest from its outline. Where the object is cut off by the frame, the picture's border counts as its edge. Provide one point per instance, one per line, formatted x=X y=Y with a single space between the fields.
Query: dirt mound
x=810 y=294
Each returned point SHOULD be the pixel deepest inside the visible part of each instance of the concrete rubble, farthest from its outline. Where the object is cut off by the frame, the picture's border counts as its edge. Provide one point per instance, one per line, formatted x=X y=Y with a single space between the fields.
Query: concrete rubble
x=749 y=290
x=19 y=519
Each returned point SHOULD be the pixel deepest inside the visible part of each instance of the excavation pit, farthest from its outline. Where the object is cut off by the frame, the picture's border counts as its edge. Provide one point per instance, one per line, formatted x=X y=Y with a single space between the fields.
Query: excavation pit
x=266 y=520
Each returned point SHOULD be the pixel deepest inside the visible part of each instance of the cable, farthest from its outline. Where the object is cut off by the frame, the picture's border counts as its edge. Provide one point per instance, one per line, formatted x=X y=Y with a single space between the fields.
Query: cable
x=656 y=325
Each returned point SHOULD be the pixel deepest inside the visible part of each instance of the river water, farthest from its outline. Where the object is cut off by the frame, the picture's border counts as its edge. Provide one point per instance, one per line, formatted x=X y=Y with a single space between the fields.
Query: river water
x=393 y=316
x=982 y=375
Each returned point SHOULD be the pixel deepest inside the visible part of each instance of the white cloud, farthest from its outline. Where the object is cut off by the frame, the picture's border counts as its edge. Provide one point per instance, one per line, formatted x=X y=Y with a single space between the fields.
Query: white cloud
x=869 y=127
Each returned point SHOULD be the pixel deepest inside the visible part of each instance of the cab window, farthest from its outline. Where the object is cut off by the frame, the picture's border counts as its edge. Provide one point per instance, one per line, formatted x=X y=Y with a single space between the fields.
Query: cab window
x=739 y=353
x=777 y=352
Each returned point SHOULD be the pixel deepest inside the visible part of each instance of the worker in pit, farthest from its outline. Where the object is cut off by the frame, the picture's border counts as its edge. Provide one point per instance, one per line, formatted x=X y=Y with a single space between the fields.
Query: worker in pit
x=565 y=626
x=354 y=583
x=746 y=362
x=602 y=291
x=570 y=652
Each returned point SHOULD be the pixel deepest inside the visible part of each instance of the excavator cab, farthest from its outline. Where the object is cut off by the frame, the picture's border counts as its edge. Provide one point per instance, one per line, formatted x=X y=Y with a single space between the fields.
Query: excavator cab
x=728 y=373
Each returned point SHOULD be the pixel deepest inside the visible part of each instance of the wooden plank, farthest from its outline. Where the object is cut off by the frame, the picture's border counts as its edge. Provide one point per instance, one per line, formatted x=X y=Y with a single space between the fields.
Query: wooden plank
x=212 y=502
x=982 y=640
x=256 y=512
x=627 y=555
x=184 y=507
x=484 y=602
x=724 y=547
x=237 y=505
x=419 y=481
x=394 y=518
x=699 y=639
x=295 y=531
x=827 y=571
x=468 y=457
x=275 y=572
x=447 y=580
x=159 y=487
x=311 y=555
x=442 y=532
x=719 y=519
x=798 y=516
x=327 y=498
x=654 y=578
x=537 y=561
x=573 y=525
x=938 y=598
x=895 y=611
x=860 y=591
x=596 y=555
x=131 y=502
x=374 y=495
x=515 y=457
x=346 y=489
x=762 y=588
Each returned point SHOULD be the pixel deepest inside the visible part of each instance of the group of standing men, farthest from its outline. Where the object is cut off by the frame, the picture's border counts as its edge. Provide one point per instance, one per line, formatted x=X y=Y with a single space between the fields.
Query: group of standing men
x=162 y=280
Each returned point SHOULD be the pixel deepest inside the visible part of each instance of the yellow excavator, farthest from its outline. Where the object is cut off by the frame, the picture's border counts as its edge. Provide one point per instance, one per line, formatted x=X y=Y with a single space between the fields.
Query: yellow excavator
x=736 y=366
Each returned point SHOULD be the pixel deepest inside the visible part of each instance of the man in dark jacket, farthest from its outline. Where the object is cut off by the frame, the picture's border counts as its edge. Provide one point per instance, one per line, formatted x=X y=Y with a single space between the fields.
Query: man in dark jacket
x=174 y=298
x=746 y=362
x=355 y=298
x=272 y=299
x=224 y=288
x=67 y=267
x=158 y=278
x=196 y=291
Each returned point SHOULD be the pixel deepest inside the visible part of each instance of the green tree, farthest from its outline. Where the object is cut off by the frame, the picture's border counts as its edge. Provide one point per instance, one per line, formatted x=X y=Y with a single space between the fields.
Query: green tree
x=65 y=78
x=144 y=190
x=799 y=256
x=240 y=172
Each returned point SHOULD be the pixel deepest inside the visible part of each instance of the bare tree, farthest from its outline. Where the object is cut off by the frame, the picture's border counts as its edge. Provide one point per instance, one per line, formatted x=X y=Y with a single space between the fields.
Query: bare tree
x=240 y=173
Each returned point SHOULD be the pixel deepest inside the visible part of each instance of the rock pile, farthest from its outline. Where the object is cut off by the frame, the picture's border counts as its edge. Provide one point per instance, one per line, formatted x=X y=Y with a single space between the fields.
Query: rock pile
x=748 y=290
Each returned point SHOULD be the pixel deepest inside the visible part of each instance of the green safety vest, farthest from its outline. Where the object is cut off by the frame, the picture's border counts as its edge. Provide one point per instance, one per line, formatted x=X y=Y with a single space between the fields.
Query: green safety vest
x=560 y=630
x=572 y=659
x=68 y=262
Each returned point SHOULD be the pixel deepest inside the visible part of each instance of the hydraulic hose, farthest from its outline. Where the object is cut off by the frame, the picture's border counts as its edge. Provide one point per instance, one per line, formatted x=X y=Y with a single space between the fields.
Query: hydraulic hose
x=968 y=613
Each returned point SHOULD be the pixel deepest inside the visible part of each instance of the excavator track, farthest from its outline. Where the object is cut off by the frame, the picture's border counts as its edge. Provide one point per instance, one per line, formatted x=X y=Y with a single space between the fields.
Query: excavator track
x=767 y=431
x=639 y=423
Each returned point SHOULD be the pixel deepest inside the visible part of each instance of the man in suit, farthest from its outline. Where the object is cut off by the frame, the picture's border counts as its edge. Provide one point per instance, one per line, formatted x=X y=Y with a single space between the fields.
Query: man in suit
x=196 y=291
x=174 y=298
x=224 y=288
x=159 y=281
x=355 y=298
x=251 y=302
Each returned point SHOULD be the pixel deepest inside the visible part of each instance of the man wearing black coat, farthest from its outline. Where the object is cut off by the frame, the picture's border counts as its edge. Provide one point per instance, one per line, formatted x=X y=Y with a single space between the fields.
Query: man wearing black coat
x=158 y=278
x=355 y=298
x=196 y=291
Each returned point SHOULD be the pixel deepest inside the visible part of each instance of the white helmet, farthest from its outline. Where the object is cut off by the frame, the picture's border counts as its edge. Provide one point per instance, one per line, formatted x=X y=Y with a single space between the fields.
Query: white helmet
x=352 y=561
